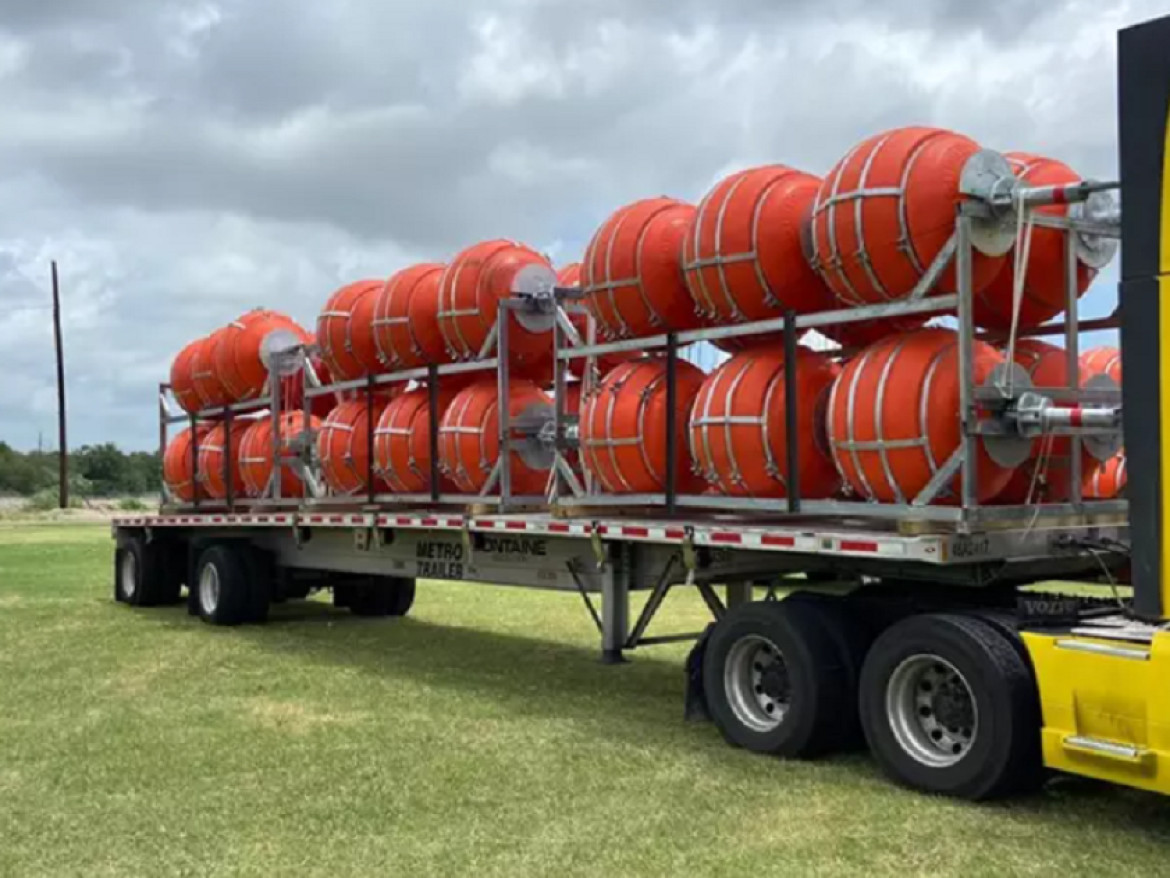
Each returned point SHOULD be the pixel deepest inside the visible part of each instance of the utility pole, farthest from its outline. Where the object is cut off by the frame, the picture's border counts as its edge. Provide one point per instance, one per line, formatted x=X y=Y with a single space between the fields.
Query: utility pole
x=62 y=442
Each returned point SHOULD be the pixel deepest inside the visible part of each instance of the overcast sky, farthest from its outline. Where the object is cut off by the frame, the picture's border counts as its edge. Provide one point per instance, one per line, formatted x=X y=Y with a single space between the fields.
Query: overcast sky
x=184 y=161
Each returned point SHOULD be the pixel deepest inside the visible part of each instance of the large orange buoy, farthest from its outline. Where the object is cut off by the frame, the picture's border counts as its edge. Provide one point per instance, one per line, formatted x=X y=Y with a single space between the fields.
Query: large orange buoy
x=343 y=446
x=1102 y=360
x=211 y=459
x=623 y=428
x=893 y=417
x=347 y=347
x=470 y=291
x=179 y=465
x=256 y=454
x=1107 y=481
x=183 y=379
x=883 y=214
x=632 y=276
x=406 y=331
x=243 y=347
x=208 y=387
x=402 y=442
x=1043 y=294
x=1044 y=477
x=469 y=437
x=743 y=256
x=570 y=276
x=738 y=430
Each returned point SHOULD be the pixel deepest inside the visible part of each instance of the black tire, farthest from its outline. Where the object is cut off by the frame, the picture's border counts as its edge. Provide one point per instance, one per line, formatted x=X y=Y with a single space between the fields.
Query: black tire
x=377 y=596
x=852 y=638
x=811 y=678
x=221 y=586
x=999 y=755
x=146 y=575
x=261 y=574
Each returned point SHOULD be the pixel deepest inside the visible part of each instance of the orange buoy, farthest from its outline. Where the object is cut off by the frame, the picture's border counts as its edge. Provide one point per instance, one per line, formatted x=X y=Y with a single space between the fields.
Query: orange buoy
x=881 y=217
x=211 y=459
x=402 y=442
x=1102 y=360
x=469 y=444
x=208 y=387
x=632 y=276
x=1107 y=481
x=743 y=257
x=407 y=332
x=345 y=333
x=893 y=417
x=243 y=347
x=738 y=430
x=1044 y=281
x=179 y=465
x=343 y=446
x=470 y=291
x=256 y=454
x=1044 y=477
x=623 y=428
x=183 y=380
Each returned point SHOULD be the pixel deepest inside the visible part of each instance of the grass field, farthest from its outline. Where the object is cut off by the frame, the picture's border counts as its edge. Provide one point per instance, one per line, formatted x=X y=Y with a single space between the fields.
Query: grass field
x=478 y=736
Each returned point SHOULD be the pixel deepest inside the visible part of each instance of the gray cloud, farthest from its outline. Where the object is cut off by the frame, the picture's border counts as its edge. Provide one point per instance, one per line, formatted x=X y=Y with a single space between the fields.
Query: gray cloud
x=187 y=159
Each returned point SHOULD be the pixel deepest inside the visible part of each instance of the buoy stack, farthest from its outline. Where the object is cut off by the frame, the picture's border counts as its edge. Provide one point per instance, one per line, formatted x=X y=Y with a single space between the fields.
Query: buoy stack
x=877 y=420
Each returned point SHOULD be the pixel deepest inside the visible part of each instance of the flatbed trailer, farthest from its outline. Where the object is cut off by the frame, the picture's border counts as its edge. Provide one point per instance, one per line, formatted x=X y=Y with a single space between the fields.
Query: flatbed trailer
x=943 y=636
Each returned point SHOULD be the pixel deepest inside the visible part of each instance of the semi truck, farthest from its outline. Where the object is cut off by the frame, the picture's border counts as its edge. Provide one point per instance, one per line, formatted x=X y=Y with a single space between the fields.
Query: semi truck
x=970 y=646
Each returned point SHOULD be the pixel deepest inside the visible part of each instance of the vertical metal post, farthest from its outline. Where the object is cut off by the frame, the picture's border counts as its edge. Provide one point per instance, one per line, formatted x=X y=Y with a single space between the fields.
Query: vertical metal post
x=1072 y=351
x=433 y=427
x=229 y=487
x=739 y=593
x=558 y=401
x=370 y=491
x=615 y=604
x=967 y=412
x=671 y=422
x=502 y=402
x=792 y=447
x=277 y=450
x=589 y=380
x=192 y=425
x=163 y=414
x=62 y=439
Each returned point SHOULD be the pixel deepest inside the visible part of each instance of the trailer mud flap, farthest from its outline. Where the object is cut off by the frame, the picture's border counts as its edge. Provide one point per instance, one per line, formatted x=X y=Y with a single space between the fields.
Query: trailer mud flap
x=695 y=709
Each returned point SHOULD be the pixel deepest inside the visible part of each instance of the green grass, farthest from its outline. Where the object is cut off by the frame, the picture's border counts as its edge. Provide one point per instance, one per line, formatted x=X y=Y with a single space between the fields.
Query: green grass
x=478 y=736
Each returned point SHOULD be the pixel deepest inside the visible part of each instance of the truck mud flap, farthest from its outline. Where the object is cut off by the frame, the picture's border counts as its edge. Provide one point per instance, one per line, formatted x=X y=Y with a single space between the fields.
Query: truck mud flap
x=695 y=709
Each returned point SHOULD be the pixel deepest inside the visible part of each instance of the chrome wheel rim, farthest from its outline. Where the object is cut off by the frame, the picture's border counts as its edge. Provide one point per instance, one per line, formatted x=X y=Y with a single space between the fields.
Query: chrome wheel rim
x=129 y=575
x=209 y=589
x=932 y=711
x=755 y=678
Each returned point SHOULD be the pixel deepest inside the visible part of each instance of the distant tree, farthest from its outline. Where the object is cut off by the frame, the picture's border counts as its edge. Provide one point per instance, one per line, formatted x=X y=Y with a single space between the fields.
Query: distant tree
x=102 y=470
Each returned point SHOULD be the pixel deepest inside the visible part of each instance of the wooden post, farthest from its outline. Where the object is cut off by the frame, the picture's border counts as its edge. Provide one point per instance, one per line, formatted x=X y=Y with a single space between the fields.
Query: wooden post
x=62 y=441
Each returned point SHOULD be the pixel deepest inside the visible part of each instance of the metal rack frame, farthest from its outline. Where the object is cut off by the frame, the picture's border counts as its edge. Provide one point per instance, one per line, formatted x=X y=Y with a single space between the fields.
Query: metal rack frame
x=968 y=512
x=567 y=489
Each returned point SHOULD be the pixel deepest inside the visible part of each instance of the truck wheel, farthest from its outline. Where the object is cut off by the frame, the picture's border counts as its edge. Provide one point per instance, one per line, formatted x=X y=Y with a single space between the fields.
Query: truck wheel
x=221 y=586
x=145 y=575
x=380 y=596
x=261 y=575
x=852 y=638
x=949 y=706
x=774 y=681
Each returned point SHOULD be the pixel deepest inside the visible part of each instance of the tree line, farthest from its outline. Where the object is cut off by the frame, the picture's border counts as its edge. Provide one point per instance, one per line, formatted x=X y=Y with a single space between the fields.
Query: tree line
x=94 y=471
